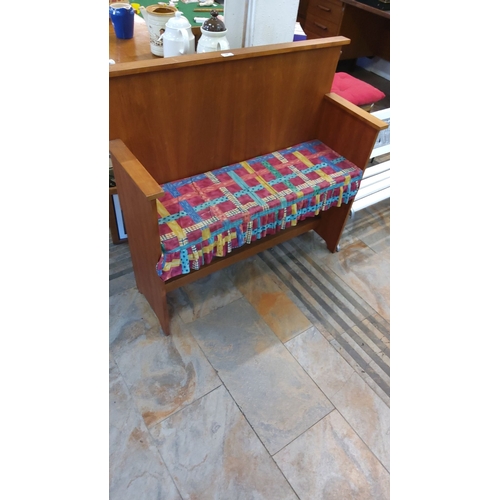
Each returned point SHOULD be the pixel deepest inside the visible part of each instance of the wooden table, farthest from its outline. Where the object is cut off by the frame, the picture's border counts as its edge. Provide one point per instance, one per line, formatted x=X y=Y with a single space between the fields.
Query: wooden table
x=368 y=28
x=134 y=49
x=369 y=8
x=137 y=48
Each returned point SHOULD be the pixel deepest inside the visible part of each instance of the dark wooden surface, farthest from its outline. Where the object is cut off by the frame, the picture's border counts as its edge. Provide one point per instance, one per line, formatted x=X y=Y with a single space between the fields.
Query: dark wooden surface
x=369 y=8
x=134 y=49
x=368 y=28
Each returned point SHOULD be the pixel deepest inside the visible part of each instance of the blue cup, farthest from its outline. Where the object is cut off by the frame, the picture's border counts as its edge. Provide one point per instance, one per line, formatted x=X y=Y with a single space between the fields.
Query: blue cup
x=123 y=22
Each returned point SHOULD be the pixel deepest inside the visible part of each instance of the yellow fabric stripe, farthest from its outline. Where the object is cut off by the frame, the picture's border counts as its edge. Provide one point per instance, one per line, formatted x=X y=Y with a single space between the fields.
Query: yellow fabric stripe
x=322 y=174
x=209 y=248
x=161 y=209
x=340 y=196
x=173 y=225
x=174 y=263
x=303 y=159
x=205 y=234
x=219 y=251
x=195 y=255
x=250 y=170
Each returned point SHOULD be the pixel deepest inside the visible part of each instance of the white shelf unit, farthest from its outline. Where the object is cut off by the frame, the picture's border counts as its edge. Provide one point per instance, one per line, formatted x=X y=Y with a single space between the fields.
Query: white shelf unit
x=376 y=183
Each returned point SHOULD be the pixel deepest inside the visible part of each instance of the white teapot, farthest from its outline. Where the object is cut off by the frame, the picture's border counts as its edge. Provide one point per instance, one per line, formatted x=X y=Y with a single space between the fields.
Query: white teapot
x=213 y=35
x=178 y=38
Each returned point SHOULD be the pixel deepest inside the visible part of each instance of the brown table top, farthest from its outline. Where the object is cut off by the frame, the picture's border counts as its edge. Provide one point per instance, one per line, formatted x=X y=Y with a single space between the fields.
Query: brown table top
x=134 y=49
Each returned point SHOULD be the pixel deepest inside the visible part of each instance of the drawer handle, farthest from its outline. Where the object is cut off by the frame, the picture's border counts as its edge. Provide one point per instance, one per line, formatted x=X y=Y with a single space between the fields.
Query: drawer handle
x=320 y=26
x=326 y=9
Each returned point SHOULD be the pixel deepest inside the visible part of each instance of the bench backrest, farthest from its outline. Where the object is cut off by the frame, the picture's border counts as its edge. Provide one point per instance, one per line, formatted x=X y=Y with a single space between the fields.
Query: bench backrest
x=181 y=116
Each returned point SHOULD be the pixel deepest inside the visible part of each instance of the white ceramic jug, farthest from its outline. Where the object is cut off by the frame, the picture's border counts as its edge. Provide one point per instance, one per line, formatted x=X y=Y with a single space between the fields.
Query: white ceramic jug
x=213 y=35
x=178 y=38
x=156 y=17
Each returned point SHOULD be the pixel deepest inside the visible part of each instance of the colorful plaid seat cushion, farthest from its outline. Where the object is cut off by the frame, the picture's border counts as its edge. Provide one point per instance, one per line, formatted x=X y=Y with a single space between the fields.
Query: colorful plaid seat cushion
x=210 y=214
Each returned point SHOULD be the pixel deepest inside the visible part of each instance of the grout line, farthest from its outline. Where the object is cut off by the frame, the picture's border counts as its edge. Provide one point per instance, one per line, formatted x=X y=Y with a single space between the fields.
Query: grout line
x=153 y=440
x=361 y=439
x=310 y=427
x=258 y=437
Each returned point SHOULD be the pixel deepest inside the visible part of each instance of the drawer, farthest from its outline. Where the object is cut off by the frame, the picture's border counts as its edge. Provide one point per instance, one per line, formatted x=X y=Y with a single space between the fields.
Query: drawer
x=328 y=10
x=321 y=27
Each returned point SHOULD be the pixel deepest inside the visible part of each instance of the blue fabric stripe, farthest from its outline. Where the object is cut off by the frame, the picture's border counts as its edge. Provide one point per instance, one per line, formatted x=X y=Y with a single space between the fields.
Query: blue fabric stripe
x=236 y=178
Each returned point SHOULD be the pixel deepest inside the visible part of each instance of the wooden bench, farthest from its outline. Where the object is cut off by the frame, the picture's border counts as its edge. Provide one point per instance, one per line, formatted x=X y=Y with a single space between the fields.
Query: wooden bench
x=179 y=117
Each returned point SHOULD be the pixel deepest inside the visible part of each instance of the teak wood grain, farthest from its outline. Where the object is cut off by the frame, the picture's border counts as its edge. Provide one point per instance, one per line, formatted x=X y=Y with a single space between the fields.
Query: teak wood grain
x=185 y=115
x=177 y=117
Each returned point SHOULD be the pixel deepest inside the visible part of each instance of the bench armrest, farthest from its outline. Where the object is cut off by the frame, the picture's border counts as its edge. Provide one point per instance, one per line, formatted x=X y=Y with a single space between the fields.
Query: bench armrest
x=348 y=129
x=135 y=170
x=354 y=110
x=138 y=193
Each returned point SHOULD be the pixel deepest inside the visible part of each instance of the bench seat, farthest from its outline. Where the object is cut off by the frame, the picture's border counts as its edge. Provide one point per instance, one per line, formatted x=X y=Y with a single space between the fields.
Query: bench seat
x=212 y=213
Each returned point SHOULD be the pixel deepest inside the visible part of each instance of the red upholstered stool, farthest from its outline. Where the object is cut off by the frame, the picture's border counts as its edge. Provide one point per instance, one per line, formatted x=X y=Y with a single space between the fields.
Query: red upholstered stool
x=360 y=93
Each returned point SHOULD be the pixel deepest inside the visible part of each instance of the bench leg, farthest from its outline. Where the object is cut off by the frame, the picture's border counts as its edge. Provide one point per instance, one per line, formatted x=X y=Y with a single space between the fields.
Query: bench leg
x=332 y=225
x=153 y=289
x=164 y=320
x=157 y=299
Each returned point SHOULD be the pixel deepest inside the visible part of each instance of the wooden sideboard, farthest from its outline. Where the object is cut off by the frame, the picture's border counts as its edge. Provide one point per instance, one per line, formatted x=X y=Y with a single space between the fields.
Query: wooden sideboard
x=367 y=27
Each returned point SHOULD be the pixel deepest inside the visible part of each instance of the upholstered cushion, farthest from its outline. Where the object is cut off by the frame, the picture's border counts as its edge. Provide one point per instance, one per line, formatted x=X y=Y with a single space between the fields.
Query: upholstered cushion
x=355 y=90
x=212 y=213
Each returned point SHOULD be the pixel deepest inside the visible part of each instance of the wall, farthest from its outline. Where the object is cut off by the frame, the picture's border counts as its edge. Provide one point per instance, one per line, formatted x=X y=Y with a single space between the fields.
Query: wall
x=260 y=22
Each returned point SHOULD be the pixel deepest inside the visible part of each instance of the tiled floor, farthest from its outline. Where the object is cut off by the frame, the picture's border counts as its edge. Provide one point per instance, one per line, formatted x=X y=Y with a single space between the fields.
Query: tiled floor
x=274 y=383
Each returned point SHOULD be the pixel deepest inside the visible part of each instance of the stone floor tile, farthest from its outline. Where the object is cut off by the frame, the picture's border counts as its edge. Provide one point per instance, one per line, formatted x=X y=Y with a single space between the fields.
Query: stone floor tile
x=321 y=361
x=368 y=368
x=370 y=225
x=323 y=285
x=277 y=397
x=379 y=329
x=313 y=245
x=163 y=373
x=127 y=306
x=329 y=461
x=368 y=377
x=122 y=283
x=379 y=215
x=369 y=346
x=136 y=469
x=332 y=306
x=367 y=414
x=213 y=453
x=366 y=272
x=273 y=304
x=199 y=298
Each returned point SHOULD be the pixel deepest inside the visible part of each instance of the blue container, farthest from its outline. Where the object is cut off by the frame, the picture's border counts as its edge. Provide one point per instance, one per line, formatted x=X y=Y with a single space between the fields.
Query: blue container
x=123 y=22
